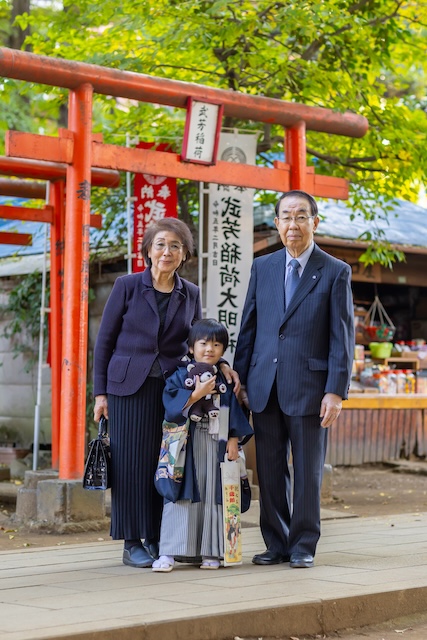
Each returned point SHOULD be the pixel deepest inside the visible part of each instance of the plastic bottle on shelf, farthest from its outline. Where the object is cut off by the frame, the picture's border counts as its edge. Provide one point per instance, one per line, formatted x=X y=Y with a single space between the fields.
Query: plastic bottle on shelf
x=375 y=380
x=392 y=383
x=422 y=381
x=400 y=381
x=383 y=382
x=410 y=382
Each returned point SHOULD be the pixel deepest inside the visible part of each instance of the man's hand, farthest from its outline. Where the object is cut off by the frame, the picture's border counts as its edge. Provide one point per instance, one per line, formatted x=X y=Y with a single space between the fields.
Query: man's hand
x=231 y=376
x=101 y=408
x=243 y=397
x=330 y=409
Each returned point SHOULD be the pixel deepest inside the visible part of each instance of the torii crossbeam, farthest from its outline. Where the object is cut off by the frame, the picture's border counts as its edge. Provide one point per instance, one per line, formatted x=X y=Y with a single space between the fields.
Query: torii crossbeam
x=80 y=150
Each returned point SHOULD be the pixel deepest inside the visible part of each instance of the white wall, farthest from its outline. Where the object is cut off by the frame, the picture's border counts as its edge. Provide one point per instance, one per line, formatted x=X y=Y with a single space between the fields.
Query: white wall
x=18 y=391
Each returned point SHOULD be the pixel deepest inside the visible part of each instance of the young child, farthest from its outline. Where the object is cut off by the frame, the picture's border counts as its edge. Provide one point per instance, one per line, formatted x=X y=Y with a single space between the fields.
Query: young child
x=193 y=527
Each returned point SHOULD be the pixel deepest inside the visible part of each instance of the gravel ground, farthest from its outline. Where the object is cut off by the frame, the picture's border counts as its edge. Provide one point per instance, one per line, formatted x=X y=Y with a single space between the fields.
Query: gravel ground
x=367 y=490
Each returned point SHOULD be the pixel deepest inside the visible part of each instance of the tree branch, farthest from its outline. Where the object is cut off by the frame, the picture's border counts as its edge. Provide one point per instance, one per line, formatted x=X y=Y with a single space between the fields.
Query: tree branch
x=314 y=47
x=353 y=163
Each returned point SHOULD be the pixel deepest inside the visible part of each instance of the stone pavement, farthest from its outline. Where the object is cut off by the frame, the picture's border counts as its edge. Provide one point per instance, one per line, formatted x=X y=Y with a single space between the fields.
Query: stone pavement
x=367 y=570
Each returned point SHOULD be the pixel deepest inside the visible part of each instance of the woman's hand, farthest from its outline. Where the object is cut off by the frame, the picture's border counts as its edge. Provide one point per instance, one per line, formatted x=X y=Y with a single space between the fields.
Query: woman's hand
x=100 y=408
x=231 y=376
x=233 y=448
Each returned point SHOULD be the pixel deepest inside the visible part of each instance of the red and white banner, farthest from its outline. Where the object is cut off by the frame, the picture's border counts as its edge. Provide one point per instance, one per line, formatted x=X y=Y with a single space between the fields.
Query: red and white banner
x=155 y=198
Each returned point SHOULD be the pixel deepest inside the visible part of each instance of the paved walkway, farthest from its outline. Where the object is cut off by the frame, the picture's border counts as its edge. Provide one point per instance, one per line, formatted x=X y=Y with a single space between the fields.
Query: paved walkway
x=367 y=570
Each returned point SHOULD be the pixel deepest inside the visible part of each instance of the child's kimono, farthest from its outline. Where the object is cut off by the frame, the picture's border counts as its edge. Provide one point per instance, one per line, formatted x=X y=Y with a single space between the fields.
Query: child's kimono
x=193 y=525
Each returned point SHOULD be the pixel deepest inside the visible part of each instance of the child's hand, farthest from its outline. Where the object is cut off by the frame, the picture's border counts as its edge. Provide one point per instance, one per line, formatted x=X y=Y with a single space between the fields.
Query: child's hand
x=203 y=388
x=233 y=448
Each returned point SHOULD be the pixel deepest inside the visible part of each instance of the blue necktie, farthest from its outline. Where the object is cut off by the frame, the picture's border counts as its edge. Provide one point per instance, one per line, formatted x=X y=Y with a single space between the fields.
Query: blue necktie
x=291 y=281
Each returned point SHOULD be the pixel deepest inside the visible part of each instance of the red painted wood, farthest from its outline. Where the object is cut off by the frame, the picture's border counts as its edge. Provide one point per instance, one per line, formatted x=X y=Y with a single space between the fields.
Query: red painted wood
x=9 y=237
x=23 y=189
x=27 y=213
x=76 y=288
x=70 y=74
x=57 y=200
x=37 y=168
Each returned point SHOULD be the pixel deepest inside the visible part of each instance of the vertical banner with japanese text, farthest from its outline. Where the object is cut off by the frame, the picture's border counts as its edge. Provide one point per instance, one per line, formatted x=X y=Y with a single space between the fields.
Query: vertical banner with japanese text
x=230 y=240
x=155 y=198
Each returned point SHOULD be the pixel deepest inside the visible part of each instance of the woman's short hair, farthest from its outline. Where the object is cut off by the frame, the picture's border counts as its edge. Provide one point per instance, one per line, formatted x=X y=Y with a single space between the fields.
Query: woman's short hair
x=208 y=329
x=302 y=194
x=174 y=226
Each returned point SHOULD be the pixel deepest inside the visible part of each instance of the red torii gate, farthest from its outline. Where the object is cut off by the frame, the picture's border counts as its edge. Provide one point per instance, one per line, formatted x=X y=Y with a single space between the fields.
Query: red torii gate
x=80 y=150
x=17 y=188
x=53 y=213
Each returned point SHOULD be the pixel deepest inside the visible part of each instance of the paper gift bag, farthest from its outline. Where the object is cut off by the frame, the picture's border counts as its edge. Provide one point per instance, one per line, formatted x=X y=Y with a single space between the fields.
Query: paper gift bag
x=230 y=477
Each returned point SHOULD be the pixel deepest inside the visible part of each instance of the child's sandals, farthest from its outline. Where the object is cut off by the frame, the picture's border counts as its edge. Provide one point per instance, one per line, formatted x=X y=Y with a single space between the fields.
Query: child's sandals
x=210 y=563
x=163 y=565
x=166 y=563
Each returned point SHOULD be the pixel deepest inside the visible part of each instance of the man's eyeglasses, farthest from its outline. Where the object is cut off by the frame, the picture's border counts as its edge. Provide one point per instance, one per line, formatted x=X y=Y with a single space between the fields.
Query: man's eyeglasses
x=297 y=219
x=173 y=247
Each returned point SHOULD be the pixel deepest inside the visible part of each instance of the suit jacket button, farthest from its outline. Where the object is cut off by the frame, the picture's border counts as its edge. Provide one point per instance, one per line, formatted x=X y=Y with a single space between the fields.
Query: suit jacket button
x=156 y=351
x=281 y=336
x=274 y=359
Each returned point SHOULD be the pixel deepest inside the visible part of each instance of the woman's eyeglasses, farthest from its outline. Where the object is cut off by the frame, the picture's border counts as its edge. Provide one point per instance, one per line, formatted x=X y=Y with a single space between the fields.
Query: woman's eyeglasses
x=173 y=247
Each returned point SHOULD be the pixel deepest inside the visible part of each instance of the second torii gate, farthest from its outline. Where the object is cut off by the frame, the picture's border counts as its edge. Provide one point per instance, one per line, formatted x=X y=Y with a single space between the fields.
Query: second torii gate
x=53 y=214
x=80 y=150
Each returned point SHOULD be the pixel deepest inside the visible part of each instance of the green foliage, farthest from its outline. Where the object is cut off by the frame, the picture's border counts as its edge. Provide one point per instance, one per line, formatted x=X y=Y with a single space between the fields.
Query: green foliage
x=380 y=252
x=367 y=57
x=22 y=314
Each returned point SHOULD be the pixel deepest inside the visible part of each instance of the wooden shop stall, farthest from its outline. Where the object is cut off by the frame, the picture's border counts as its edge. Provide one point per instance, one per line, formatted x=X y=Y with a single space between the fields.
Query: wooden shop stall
x=380 y=422
x=385 y=417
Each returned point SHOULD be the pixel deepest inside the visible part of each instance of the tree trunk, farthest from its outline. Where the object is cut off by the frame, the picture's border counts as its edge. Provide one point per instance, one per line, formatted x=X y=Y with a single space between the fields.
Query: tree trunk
x=17 y=36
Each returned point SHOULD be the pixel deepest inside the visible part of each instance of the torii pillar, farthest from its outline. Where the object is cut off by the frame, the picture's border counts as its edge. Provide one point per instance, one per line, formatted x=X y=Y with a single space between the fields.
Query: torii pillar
x=76 y=286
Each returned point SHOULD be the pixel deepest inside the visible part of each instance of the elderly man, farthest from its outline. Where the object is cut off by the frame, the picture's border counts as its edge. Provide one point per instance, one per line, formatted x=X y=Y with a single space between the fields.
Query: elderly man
x=294 y=357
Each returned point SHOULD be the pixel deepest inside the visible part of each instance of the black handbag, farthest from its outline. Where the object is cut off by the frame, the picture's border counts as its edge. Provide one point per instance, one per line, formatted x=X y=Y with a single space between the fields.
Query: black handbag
x=97 y=473
x=245 y=495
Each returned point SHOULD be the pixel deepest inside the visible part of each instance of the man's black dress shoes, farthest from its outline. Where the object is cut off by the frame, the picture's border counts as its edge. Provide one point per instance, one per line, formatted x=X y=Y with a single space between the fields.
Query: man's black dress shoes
x=137 y=557
x=301 y=561
x=269 y=557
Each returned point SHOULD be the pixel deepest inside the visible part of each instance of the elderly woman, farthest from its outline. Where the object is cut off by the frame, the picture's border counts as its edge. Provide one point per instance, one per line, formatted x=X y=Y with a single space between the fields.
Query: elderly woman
x=142 y=339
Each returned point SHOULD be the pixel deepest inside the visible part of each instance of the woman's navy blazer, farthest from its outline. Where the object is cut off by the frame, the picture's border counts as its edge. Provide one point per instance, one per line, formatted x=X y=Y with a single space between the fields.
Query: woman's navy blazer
x=128 y=340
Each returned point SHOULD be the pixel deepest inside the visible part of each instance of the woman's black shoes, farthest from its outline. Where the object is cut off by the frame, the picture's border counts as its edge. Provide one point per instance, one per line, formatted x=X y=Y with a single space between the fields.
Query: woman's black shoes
x=137 y=557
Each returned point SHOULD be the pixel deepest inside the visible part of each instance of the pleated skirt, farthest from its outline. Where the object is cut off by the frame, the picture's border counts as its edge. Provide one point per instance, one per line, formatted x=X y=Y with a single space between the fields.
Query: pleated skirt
x=193 y=529
x=135 y=426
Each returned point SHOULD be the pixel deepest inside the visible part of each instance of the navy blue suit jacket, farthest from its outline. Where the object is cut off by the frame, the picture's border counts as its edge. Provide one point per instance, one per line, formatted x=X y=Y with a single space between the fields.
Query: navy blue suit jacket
x=308 y=349
x=128 y=340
